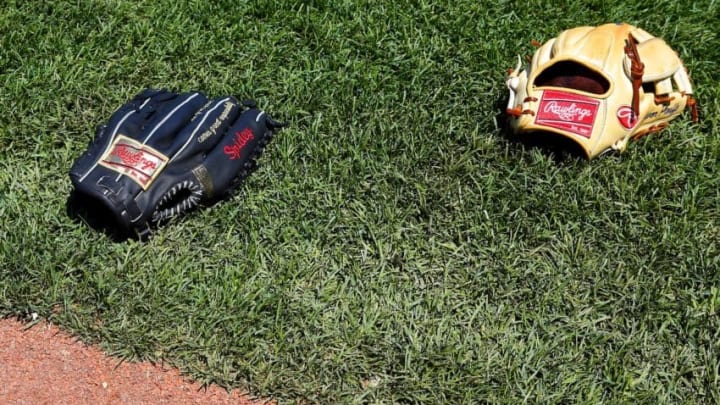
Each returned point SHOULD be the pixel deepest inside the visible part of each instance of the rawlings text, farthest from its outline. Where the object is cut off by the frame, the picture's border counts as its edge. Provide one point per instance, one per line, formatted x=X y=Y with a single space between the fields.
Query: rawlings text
x=134 y=159
x=566 y=112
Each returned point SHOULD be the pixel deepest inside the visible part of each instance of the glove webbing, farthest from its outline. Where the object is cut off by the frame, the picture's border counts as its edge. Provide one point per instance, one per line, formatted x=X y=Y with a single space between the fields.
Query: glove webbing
x=637 y=69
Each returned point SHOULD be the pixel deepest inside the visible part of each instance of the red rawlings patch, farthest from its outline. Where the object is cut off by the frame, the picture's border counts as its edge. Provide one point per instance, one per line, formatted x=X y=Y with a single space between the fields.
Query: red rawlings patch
x=627 y=117
x=568 y=112
x=241 y=139
x=134 y=159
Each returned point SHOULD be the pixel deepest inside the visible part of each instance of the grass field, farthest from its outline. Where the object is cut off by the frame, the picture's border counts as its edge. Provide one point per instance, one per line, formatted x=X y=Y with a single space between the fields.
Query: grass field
x=395 y=245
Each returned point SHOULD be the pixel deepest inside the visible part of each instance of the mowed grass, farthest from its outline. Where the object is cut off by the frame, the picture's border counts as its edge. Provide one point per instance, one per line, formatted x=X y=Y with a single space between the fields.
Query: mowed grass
x=395 y=246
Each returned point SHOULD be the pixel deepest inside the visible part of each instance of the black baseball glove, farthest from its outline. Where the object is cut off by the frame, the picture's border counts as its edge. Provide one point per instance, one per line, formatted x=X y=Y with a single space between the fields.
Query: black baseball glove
x=163 y=154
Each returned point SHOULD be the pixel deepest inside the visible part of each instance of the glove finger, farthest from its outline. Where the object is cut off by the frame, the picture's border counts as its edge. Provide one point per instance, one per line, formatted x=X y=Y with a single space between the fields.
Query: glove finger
x=234 y=157
x=163 y=119
x=137 y=111
x=204 y=131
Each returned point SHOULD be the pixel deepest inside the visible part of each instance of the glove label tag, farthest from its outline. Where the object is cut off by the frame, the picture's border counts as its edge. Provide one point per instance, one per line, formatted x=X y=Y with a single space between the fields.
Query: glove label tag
x=568 y=112
x=627 y=117
x=137 y=161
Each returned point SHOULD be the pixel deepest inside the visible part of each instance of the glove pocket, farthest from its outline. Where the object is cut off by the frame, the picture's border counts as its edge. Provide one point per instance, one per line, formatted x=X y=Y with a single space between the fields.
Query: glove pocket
x=174 y=195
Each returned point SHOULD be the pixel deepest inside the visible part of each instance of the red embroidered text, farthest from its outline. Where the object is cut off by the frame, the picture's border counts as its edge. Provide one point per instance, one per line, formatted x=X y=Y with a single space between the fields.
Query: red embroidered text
x=241 y=139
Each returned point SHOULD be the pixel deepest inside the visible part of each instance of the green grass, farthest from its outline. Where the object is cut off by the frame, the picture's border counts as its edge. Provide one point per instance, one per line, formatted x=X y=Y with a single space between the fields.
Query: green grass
x=395 y=246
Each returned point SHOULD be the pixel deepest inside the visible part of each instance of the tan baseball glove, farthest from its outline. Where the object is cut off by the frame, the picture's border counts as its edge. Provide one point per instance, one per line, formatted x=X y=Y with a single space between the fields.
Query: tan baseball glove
x=600 y=86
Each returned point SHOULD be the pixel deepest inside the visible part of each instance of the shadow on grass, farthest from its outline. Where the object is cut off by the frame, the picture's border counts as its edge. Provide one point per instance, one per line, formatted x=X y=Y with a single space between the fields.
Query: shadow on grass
x=84 y=209
x=94 y=214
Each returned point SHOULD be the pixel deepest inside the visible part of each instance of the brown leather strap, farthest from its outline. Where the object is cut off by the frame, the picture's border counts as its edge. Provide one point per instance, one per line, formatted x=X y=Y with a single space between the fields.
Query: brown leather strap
x=637 y=68
x=693 y=107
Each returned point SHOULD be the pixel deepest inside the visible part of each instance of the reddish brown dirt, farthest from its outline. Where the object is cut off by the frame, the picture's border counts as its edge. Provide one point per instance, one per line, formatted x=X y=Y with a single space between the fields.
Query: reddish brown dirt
x=42 y=365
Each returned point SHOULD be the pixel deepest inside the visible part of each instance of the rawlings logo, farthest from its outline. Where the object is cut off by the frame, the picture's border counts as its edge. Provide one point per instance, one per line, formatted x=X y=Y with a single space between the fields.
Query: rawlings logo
x=138 y=161
x=627 y=117
x=130 y=156
x=241 y=139
x=567 y=112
